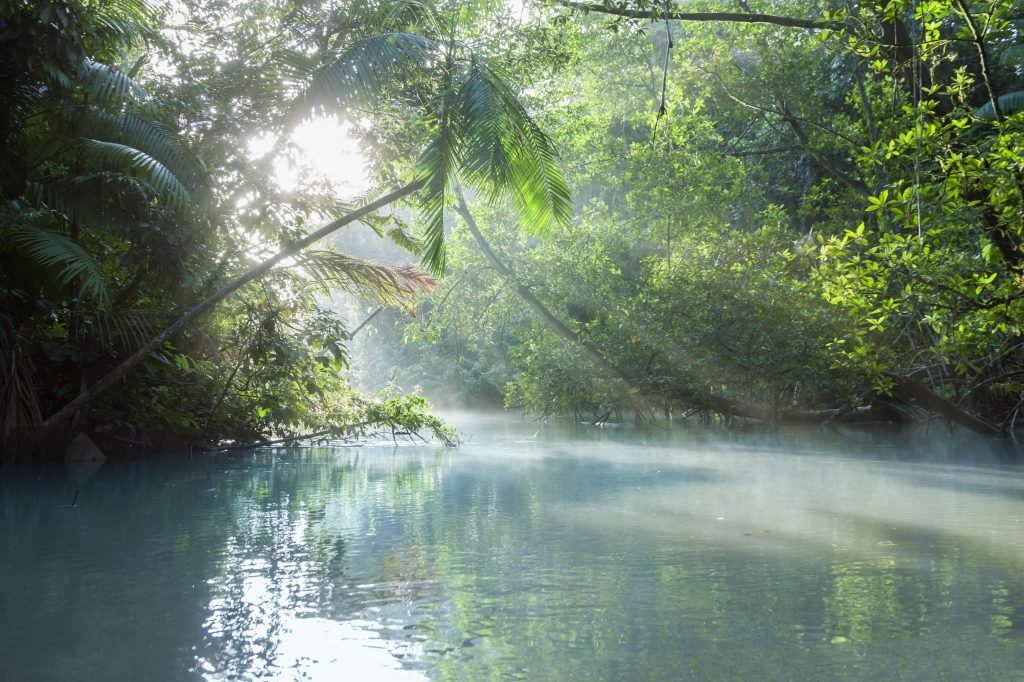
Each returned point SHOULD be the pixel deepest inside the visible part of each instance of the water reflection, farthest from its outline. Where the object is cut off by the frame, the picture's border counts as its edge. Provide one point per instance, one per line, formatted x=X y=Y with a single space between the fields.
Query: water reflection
x=322 y=649
x=536 y=552
x=301 y=570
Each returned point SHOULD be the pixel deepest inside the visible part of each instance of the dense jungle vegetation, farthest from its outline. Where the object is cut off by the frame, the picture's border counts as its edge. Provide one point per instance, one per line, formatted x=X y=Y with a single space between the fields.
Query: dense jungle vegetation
x=790 y=211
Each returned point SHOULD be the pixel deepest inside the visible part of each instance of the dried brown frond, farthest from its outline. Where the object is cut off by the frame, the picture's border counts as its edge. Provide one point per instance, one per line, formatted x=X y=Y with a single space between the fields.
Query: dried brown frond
x=392 y=285
x=21 y=413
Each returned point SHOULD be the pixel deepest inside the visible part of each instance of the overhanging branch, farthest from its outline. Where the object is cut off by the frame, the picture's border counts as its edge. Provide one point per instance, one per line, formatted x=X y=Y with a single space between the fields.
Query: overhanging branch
x=734 y=17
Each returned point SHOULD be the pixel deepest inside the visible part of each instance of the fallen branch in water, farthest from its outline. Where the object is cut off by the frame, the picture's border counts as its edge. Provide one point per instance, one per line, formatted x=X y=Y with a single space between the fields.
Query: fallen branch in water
x=333 y=434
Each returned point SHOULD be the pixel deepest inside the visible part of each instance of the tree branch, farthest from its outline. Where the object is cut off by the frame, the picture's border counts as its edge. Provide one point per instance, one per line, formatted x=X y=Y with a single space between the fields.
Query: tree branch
x=626 y=382
x=734 y=17
x=916 y=392
x=979 y=40
x=770 y=150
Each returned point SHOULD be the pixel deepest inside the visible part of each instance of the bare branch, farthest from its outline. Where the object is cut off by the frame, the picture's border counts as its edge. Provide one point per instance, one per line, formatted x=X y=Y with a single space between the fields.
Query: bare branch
x=734 y=17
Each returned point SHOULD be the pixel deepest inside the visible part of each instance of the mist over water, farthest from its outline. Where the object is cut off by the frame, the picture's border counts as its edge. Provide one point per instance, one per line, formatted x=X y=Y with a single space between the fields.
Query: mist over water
x=536 y=551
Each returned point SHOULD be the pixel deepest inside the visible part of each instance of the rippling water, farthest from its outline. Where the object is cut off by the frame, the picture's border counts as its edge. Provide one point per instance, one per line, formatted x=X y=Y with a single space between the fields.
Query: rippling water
x=534 y=552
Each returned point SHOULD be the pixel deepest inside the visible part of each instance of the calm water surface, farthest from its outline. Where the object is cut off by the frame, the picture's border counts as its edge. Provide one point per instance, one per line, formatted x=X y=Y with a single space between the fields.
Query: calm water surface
x=534 y=552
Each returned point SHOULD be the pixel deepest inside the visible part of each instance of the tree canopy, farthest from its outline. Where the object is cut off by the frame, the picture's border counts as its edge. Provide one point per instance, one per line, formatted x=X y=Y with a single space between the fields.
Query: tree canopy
x=788 y=211
x=806 y=212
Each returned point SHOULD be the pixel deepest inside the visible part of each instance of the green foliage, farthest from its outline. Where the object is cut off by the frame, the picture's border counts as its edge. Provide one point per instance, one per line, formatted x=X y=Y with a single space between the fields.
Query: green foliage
x=810 y=221
x=28 y=235
x=408 y=412
x=815 y=217
x=478 y=130
x=122 y=208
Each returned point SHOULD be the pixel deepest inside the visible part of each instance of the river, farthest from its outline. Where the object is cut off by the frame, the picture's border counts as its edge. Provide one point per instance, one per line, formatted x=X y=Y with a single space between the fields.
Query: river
x=533 y=552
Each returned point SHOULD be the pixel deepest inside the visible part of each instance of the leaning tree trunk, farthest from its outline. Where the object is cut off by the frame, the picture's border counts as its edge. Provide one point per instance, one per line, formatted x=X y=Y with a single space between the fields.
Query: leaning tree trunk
x=917 y=393
x=627 y=385
x=553 y=323
x=255 y=272
x=912 y=391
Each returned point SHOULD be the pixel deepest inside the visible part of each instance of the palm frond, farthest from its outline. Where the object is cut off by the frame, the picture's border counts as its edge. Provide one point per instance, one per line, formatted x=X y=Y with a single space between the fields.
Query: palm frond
x=483 y=133
x=108 y=85
x=150 y=137
x=505 y=151
x=141 y=165
x=1009 y=104
x=1013 y=55
x=49 y=248
x=122 y=329
x=358 y=75
x=294 y=65
x=404 y=13
x=102 y=200
x=42 y=148
x=541 y=192
x=390 y=284
x=482 y=104
x=278 y=78
x=124 y=21
x=437 y=166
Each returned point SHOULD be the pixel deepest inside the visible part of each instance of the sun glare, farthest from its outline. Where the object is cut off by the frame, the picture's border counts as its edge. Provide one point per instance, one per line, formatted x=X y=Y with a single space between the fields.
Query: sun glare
x=326 y=150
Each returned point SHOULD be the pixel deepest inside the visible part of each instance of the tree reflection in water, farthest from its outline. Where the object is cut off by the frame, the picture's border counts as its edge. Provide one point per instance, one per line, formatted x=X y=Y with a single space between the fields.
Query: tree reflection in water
x=578 y=554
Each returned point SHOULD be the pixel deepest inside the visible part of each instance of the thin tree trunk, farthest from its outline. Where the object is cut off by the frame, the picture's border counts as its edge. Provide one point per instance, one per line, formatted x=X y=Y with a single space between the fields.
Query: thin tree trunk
x=129 y=363
x=978 y=38
x=366 y=321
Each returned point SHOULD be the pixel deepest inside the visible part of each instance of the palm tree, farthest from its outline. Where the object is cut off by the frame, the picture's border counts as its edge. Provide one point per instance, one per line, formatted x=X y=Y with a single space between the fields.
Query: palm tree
x=95 y=164
x=480 y=135
x=80 y=152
